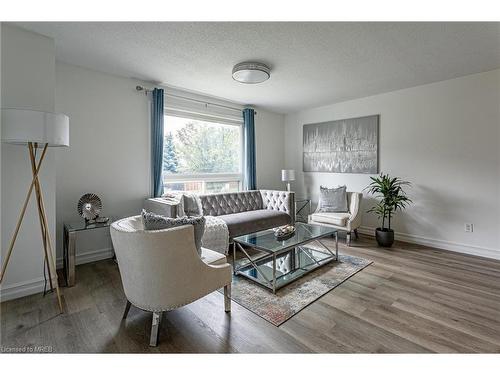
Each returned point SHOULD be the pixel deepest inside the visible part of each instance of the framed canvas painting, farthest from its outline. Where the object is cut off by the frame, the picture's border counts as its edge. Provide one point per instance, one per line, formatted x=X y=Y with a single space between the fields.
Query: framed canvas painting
x=342 y=146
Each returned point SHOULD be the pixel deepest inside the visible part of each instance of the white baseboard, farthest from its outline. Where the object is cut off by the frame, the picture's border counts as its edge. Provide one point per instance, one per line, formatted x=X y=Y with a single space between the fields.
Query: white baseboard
x=26 y=288
x=89 y=256
x=440 y=244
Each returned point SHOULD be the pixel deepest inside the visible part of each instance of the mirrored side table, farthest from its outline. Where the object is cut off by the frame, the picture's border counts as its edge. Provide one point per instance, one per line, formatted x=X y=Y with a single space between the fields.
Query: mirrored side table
x=70 y=231
x=302 y=209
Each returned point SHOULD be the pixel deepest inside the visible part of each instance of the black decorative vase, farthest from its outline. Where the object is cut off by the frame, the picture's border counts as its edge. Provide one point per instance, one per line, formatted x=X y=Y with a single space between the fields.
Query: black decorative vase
x=384 y=236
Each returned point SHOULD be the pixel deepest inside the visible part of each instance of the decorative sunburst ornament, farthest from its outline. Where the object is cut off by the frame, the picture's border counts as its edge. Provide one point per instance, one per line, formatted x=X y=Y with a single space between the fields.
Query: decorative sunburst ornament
x=89 y=206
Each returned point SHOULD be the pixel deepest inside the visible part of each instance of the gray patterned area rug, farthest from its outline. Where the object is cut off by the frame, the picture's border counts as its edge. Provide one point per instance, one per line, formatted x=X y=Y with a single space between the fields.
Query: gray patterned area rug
x=289 y=300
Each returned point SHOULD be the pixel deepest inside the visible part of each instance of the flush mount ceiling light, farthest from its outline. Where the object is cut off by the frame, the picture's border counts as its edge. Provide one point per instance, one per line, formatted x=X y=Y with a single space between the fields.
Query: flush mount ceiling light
x=251 y=72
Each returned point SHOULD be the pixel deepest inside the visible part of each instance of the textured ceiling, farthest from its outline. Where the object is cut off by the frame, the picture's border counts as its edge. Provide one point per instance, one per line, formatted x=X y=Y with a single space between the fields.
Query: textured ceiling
x=311 y=63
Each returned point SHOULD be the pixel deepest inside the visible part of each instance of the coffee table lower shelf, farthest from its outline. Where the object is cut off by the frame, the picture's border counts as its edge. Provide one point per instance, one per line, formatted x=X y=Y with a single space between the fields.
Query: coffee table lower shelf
x=275 y=270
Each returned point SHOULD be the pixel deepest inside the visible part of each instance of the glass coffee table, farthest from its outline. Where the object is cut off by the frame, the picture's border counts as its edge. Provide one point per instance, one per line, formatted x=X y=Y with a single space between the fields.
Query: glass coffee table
x=274 y=263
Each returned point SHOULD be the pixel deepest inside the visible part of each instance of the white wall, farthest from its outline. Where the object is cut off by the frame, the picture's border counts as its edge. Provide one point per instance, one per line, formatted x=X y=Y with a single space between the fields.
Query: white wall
x=108 y=153
x=28 y=71
x=109 y=149
x=1 y=230
x=270 y=149
x=444 y=138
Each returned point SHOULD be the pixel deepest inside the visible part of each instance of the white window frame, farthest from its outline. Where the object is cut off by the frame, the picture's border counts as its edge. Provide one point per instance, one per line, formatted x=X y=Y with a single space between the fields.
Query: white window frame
x=208 y=177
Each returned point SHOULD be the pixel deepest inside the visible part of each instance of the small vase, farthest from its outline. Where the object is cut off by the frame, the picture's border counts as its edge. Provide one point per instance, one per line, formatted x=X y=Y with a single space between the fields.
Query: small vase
x=384 y=237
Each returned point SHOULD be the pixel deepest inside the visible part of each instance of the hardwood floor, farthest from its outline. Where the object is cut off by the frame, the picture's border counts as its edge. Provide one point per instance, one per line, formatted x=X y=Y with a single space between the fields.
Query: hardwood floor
x=412 y=299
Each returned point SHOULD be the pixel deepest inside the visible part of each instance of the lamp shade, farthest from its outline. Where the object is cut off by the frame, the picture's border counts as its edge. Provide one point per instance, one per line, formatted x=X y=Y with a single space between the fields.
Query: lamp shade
x=287 y=175
x=20 y=126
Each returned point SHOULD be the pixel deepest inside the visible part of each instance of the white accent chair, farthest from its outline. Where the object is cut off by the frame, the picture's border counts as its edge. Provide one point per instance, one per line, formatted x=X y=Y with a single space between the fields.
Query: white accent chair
x=161 y=269
x=344 y=221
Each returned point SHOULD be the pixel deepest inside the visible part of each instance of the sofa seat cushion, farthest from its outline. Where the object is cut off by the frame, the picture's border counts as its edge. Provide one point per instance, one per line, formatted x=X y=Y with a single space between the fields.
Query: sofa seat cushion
x=333 y=218
x=212 y=258
x=254 y=221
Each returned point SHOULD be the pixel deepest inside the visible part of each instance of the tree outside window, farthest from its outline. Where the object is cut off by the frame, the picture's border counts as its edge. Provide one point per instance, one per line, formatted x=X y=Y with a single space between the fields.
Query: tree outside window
x=193 y=147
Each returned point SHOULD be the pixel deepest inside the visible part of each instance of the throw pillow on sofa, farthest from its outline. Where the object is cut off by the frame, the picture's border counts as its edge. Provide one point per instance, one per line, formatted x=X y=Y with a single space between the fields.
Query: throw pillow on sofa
x=188 y=204
x=152 y=221
x=333 y=200
x=191 y=204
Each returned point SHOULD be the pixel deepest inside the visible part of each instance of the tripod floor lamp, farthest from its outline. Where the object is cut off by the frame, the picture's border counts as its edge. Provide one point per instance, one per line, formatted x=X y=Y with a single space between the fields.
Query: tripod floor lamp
x=36 y=130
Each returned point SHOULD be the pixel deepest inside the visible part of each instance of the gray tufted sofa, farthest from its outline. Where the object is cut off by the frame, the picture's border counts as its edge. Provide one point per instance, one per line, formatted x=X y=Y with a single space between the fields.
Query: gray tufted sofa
x=250 y=211
x=242 y=212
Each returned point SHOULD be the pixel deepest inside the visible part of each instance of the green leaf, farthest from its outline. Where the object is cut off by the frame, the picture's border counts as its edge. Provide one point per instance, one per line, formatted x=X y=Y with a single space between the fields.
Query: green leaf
x=390 y=193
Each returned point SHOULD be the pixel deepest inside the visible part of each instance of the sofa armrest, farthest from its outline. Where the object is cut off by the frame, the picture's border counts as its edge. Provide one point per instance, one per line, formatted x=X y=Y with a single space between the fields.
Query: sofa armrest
x=278 y=200
x=162 y=206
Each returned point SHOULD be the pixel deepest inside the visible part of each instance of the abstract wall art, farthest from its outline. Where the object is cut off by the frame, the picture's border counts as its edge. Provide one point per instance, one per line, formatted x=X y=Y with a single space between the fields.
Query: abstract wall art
x=342 y=146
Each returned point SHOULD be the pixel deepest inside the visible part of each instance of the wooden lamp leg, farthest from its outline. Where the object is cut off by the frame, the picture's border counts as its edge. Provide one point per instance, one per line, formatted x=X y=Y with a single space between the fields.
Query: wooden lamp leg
x=43 y=229
x=45 y=225
x=43 y=222
x=51 y=262
x=21 y=216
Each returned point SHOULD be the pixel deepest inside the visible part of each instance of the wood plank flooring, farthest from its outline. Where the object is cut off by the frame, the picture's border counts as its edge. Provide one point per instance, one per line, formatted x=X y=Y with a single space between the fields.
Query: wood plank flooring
x=412 y=299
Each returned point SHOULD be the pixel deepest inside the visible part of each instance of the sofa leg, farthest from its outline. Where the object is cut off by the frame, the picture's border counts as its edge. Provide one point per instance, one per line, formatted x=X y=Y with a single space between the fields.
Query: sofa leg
x=227 y=298
x=356 y=234
x=127 y=309
x=348 y=239
x=155 y=329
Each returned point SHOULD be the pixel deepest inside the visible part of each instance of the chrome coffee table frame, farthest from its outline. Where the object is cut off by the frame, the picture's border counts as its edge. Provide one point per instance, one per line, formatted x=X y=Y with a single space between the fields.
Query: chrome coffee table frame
x=271 y=256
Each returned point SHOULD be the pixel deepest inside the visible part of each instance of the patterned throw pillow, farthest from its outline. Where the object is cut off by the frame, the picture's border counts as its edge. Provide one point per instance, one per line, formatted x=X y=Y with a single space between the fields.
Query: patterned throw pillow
x=152 y=221
x=333 y=200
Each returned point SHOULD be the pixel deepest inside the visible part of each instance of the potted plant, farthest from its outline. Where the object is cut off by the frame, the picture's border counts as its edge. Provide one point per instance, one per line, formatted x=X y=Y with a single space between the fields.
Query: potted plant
x=392 y=197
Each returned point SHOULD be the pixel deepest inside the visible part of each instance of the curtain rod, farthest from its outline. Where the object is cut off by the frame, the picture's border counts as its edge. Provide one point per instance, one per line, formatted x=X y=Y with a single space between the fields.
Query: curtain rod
x=146 y=91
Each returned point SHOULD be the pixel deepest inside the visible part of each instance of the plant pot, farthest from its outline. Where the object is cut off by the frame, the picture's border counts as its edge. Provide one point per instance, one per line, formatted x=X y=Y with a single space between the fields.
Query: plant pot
x=384 y=236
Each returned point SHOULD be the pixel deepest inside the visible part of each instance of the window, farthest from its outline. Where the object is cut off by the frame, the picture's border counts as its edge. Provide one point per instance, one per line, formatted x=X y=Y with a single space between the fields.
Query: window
x=201 y=156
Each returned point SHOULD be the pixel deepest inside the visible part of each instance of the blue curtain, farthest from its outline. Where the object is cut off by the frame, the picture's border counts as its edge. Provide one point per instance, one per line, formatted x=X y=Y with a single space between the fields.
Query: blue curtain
x=249 y=137
x=157 y=143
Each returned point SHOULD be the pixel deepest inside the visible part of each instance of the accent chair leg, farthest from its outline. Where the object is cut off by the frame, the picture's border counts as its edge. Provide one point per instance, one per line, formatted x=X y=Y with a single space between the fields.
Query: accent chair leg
x=227 y=298
x=356 y=234
x=155 y=328
x=127 y=309
x=348 y=239
x=234 y=258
